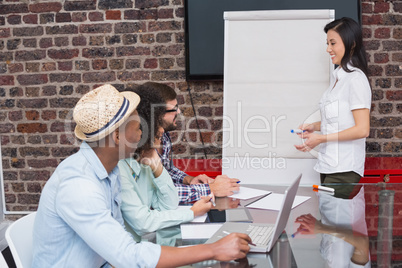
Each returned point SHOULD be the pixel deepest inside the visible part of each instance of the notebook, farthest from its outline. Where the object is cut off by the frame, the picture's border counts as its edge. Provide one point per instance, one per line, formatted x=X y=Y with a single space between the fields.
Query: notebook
x=263 y=235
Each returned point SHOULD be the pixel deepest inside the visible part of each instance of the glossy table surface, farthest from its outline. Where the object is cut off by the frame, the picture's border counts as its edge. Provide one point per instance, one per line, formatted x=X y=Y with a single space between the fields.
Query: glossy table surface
x=376 y=213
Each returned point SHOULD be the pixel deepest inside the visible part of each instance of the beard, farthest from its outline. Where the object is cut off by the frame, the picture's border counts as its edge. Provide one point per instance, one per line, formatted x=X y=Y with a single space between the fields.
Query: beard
x=170 y=126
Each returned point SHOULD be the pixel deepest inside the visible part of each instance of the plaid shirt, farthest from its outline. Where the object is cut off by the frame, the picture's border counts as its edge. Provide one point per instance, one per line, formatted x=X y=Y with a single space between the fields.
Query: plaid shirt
x=187 y=193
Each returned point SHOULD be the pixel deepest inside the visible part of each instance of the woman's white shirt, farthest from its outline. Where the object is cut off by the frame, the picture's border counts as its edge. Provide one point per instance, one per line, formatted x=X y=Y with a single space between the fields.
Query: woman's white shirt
x=347 y=92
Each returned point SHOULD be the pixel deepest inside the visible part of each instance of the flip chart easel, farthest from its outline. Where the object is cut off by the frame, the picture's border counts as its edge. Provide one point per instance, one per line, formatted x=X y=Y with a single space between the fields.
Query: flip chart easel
x=275 y=70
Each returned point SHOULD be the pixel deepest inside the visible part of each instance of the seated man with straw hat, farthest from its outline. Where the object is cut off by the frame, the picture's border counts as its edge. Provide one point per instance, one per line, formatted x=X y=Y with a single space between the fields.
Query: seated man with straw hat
x=79 y=222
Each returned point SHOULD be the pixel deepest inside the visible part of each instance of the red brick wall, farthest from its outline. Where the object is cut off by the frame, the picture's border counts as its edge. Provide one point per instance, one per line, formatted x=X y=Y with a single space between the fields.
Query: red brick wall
x=53 y=52
x=382 y=33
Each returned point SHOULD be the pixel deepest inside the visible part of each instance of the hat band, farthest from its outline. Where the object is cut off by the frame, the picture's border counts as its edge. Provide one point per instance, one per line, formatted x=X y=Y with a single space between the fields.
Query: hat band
x=120 y=114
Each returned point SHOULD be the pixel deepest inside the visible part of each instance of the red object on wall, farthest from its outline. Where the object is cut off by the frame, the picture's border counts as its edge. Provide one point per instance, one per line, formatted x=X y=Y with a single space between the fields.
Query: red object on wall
x=194 y=167
x=377 y=169
x=382 y=169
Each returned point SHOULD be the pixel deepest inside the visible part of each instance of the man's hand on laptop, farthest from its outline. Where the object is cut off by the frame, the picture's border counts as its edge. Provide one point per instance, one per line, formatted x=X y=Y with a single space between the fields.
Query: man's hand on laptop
x=232 y=246
x=224 y=186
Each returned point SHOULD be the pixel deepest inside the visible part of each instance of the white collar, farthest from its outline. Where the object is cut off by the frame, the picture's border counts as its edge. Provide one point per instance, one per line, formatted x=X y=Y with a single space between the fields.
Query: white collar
x=339 y=72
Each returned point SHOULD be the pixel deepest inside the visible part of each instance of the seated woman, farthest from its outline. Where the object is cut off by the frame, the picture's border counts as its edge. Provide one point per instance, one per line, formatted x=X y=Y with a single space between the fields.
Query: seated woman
x=149 y=197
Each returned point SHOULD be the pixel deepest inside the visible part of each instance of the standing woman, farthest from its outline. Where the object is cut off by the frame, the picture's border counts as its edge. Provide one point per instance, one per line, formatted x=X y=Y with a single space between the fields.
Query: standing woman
x=345 y=110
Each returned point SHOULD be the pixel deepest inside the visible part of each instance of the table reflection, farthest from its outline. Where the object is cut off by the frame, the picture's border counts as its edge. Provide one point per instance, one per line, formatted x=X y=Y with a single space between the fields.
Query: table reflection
x=343 y=227
x=357 y=231
x=226 y=203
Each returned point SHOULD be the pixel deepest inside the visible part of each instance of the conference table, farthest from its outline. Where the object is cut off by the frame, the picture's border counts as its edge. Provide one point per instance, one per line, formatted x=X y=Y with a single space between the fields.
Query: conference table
x=375 y=213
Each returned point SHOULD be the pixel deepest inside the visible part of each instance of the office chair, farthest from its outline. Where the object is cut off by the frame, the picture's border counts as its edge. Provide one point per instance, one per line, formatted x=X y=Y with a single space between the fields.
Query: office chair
x=3 y=263
x=19 y=239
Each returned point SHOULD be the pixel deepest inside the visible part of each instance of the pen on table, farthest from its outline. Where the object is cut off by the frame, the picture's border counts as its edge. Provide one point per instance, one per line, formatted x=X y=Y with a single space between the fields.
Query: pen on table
x=294 y=234
x=297 y=131
x=319 y=187
x=250 y=243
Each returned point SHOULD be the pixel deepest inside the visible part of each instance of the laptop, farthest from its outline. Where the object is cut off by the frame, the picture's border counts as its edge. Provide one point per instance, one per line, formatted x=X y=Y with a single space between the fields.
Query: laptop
x=263 y=235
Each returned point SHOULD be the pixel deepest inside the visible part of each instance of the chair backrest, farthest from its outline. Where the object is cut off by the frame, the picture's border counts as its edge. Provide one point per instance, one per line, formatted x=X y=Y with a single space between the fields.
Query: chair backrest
x=3 y=263
x=19 y=238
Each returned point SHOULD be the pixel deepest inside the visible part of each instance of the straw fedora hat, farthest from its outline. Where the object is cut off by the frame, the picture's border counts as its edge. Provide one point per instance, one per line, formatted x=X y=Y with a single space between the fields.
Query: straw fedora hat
x=101 y=111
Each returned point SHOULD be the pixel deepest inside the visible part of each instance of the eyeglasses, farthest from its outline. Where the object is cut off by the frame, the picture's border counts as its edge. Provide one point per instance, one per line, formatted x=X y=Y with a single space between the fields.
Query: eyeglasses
x=174 y=110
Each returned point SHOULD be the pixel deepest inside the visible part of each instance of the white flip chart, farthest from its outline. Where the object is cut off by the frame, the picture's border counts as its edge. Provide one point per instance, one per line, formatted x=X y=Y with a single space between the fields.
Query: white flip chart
x=275 y=70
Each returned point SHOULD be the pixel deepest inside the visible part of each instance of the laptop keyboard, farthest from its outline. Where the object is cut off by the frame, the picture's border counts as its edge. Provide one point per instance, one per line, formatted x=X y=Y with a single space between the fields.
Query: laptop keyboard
x=260 y=235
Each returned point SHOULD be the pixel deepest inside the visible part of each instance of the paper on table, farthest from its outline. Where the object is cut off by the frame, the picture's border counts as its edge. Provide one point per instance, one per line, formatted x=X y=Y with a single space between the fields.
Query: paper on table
x=247 y=193
x=201 y=218
x=199 y=231
x=274 y=202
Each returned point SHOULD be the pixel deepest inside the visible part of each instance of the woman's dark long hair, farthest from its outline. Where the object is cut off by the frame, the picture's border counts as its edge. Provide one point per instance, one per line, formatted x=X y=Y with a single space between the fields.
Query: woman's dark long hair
x=151 y=110
x=352 y=37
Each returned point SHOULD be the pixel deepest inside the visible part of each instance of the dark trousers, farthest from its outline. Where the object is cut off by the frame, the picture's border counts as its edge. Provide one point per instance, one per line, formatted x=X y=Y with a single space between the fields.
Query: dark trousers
x=343 y=183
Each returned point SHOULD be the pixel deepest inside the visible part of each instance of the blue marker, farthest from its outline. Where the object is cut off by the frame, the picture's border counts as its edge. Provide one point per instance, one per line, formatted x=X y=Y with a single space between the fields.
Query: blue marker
x=237 y=181
x=293 y=235
x=297 y=131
